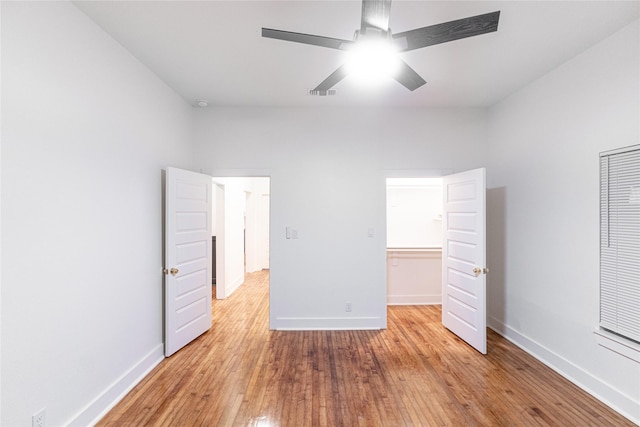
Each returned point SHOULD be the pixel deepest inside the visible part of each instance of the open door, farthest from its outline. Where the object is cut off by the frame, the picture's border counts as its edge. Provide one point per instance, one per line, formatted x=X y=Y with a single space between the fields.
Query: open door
x=187 y=257
x=464 y=258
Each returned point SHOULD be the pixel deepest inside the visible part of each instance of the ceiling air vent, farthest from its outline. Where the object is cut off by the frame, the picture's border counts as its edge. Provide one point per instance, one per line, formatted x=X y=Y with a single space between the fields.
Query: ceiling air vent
x=320 y=92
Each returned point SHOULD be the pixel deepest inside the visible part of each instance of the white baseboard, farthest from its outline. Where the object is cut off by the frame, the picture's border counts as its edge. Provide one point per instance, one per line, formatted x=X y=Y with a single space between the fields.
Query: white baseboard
x=102 y=404
x=414 y=299
x=602 y=391
x=235 y=284
x=327 y=323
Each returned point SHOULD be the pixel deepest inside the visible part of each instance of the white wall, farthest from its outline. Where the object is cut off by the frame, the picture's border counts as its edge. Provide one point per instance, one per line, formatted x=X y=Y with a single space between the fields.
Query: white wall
x=219 y=219
x=414 y=277
x=235 y=206
x=414 y=213
x=257 y=219
x=86 y=131
x=543 y=212
x=262 y=190
x=328 y=170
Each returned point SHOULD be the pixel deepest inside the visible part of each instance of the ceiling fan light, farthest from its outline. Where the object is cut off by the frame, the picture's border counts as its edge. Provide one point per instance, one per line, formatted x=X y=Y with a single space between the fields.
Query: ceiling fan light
x=372 y=61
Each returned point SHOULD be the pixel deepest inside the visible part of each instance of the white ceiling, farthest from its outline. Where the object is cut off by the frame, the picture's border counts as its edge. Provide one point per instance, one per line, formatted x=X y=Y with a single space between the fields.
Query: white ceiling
x=214 y=50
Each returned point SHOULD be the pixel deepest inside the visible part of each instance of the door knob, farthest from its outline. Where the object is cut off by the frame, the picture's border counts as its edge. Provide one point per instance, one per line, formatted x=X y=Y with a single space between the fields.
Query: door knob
x=478 y=271
x=173 y=271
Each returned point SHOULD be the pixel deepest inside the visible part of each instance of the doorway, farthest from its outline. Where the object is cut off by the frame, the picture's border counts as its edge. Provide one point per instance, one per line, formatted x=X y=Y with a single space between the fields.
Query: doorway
x=458 y=255
x=240 y=230
x=414 y=241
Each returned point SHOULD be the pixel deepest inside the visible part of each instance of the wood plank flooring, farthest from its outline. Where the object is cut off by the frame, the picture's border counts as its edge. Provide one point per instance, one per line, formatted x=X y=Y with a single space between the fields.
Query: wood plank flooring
x=415 y=373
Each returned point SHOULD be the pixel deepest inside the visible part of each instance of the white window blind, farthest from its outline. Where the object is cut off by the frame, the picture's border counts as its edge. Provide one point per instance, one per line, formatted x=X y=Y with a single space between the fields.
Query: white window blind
x=620 y=242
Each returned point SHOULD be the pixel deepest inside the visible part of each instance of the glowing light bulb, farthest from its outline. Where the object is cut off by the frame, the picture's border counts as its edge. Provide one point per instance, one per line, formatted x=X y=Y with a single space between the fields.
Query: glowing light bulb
x=372 y=61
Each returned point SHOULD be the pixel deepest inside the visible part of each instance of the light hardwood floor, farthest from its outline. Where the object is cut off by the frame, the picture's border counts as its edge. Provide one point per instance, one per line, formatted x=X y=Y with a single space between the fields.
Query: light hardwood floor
x=415 y=373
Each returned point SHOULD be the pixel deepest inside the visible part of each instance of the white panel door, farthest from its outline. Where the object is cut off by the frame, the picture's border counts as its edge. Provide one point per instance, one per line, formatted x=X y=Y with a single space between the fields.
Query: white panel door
x=188 y=257
x=464 y=258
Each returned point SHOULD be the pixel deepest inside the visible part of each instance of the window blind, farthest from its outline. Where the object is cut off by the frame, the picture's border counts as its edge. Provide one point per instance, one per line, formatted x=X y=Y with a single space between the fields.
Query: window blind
x=620 y=242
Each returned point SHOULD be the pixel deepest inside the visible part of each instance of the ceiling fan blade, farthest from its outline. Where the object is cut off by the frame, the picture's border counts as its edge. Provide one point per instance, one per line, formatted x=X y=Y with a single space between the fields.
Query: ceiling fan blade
x=375 y=13
x=306 y=39
x=408 y=78
x=333 y=79
x=447 y=31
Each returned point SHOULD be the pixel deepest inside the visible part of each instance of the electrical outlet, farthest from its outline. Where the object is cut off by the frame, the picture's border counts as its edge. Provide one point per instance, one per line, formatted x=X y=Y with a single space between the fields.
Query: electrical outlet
x=291 y=233
x=39 y=418
x=347 y=307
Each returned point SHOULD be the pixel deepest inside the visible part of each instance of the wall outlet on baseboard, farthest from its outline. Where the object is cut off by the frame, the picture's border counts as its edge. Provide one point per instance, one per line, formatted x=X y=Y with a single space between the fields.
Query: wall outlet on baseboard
x=347 y=307
x=39 y=418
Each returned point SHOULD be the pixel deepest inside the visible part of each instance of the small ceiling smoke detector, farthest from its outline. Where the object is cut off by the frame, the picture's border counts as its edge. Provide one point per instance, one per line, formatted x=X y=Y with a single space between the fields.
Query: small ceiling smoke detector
x=202 y=103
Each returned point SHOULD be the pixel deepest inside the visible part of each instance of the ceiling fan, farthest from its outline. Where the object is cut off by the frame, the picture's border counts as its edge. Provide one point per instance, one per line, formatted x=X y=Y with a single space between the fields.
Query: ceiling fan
x=374 y=27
